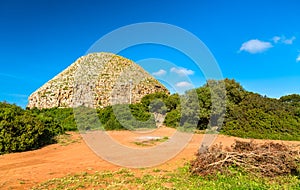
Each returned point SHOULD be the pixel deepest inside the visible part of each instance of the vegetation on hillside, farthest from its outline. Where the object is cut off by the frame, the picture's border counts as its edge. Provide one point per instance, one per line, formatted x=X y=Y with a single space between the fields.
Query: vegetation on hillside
x=248 y=115
x=259 y=117
x=240 y=113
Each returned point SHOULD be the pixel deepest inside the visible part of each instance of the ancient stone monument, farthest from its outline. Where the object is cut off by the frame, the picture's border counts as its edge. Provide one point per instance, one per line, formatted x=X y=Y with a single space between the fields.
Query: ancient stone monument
x=96 y=80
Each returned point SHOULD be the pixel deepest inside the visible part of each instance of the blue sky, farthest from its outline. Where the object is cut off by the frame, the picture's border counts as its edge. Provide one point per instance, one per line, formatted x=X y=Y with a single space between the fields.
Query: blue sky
x=255 y=42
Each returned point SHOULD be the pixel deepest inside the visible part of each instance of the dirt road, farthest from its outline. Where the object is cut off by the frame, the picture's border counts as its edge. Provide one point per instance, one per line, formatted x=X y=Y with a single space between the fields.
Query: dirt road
x=24 y=170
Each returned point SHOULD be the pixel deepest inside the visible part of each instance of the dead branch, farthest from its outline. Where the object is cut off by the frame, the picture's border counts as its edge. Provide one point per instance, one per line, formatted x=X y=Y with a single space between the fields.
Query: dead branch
x=269 y=159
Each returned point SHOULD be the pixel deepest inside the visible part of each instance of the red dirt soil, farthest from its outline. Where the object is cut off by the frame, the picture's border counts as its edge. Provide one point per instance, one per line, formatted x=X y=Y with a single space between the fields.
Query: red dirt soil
x=27 y=169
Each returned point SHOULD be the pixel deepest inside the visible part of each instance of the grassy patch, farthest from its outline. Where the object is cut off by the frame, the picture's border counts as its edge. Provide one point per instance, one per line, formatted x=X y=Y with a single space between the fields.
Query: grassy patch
x=66 y=139
x=151 y=142
x=179 y=179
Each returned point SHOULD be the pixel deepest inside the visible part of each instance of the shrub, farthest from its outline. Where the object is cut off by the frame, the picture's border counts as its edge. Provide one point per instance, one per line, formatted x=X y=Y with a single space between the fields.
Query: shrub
x=63 y=116
x=20 y=130
x=126 y=116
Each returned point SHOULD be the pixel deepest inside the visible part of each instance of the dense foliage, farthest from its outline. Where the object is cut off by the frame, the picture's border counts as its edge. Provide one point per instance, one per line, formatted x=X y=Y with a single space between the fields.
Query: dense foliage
x=63 y=116
x=223 y=105
x=247 y=114
x=259 y=117
x=124 y=116
x=20 y=130
x=256 y=116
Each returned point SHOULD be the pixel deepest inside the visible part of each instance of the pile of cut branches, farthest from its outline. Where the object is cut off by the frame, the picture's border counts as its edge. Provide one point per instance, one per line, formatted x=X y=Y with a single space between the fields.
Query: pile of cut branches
x=268 y=159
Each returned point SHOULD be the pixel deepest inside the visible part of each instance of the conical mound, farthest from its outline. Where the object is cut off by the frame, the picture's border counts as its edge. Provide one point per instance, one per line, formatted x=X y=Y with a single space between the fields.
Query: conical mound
x=96 y=80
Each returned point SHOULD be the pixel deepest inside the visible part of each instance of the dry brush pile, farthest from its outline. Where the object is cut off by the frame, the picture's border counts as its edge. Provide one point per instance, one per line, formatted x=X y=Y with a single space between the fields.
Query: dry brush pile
x=268 y=159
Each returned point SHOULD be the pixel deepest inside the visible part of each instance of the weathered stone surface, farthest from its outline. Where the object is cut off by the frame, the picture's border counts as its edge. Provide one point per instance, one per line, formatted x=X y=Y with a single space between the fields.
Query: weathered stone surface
x=96 y=80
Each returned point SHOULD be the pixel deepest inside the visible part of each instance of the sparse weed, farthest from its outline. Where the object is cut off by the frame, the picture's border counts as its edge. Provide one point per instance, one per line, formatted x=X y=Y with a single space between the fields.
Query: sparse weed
x=160 y=179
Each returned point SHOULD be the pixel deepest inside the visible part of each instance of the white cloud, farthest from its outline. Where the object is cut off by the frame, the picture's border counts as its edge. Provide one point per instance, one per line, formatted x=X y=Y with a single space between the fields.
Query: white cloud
x=183 y=84
x=276 y=39
x=288 y=41
x=283 y=40
x=182 y=71
x=159 y=73
x=298 y=58
x=255 y=46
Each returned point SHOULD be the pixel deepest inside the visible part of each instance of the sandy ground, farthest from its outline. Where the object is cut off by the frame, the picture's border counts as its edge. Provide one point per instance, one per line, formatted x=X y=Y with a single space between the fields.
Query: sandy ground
x=24 y=170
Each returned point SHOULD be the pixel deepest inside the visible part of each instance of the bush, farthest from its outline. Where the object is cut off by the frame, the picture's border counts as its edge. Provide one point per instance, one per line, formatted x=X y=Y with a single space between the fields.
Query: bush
x=126 y=116
x=172 y=118
x=146 y=100
x=87 y=118
x=20 y=130
x=261 y=117
x=63 y=116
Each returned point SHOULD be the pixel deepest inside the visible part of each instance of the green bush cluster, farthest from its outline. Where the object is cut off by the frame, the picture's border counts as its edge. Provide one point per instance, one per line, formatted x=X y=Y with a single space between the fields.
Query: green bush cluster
x=256 y=116
x=86 y=119
x=246 y=114
x=20 y=130
x=63 y=116
x=124 y=116
x=117 y=117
